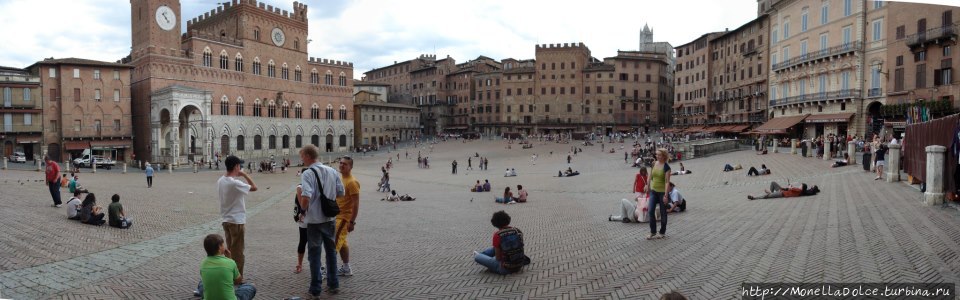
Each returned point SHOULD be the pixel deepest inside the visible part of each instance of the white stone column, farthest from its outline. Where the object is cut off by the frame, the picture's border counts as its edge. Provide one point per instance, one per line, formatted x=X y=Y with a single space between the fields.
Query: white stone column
x=4 y=163
x=124 y=168
x=893 y=163
x=810 y=152
x=170 y=168
x=155 y=137
x=38 y=161
x=826 y=150
x=93 y=162
x=776 y=145
x=69 y=166
x=935 y=175
x=175 y=143
x=793 y=146
x=852 y=152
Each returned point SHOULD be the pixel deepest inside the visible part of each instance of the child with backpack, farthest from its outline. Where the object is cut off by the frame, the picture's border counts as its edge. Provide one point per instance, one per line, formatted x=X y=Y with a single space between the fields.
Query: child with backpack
x=506 y=256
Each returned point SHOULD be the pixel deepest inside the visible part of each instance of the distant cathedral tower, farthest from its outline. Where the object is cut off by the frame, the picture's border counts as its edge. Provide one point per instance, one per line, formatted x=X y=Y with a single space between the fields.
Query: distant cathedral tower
x=646 y=36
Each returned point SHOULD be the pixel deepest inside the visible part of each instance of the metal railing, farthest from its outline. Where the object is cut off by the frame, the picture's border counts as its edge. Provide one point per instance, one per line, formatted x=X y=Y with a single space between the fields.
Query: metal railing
x=835 y=50
x=932 y=34
x=820 y=96
x=11 y=128
x=875 y=92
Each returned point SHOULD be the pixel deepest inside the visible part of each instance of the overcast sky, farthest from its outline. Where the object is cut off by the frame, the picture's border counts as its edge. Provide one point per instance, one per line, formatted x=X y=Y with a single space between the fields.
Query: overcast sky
x=375 y=33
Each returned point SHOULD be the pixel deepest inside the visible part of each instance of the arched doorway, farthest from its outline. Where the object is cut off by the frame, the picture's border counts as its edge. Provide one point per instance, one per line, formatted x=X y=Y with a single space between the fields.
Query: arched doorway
x=224 y=145
x=343 y=140
x=315 y=140
x=874 y=119
x=329 y=142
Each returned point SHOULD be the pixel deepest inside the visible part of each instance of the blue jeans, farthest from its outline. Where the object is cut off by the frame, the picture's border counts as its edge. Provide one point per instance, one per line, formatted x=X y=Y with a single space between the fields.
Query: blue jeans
x=488 y=259
x=321 y=235
x=244 y=291
x=55 y=191
x=656 y=199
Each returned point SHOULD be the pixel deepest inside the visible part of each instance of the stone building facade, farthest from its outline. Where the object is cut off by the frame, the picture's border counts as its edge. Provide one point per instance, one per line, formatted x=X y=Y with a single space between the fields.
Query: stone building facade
x=380 y=123
x=237 y=81
x=22 y=113
x=86 y=105
x=693 y=85
x=738 y=78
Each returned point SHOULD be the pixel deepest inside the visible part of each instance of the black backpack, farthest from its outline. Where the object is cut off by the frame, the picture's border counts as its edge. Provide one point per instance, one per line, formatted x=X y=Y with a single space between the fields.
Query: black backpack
x=511 y=246
x=297 y=210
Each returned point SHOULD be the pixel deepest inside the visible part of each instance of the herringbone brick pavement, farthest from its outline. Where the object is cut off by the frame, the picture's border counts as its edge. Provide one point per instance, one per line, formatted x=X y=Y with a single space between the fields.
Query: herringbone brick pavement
x=857 y=229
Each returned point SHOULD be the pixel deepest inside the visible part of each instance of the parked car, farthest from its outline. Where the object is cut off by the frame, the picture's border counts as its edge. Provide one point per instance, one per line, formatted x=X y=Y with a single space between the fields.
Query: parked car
x=101 y=162
x=18 y=157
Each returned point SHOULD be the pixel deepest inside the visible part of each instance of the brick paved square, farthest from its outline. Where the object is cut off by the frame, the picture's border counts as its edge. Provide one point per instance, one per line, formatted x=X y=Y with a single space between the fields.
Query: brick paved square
x=857 y=229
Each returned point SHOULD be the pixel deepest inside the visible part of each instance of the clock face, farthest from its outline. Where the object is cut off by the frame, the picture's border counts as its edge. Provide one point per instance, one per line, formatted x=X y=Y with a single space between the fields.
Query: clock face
x=166 y=18
x=277 y=37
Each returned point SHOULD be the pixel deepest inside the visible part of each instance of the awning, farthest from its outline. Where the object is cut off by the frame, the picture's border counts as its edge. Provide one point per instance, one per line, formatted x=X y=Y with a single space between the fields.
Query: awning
x=712 y=129
x=76 y=145
x=668 y=130
x=28 y=139
x=693 y=129
x=779 y=125
x=736 y=128
x=110 y=144
x=678 y=105
x=829 y=118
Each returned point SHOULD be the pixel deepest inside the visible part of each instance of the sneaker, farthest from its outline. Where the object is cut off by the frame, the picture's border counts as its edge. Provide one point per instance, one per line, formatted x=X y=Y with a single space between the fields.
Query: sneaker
x=661 y=236
x=610 y=218
x=58 y=205
x=344 y=272
x=750 y=197
x=625 y=220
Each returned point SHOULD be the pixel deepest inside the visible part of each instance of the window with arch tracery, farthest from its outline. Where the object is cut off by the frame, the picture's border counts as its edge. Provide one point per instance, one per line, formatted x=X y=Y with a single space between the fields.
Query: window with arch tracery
x=272 y=109
x=329 y=115
x=285 y=110
x=271 y=69
x=256 y=108
x=224 y=106
x=256 y=34
x=207 y=58
x=315 y=112
x=328 y=78
x=343 y=112
x=256 y=66
x=224 y=61
x=285 y=72
x=314 y=77
x=297 y=74
x=239 y=107
x=343 y=79
x=297 y=111
x=238 y=63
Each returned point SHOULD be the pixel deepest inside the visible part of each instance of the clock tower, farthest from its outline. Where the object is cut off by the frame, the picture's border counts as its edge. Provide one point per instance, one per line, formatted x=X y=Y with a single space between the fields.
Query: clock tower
x=155 y=26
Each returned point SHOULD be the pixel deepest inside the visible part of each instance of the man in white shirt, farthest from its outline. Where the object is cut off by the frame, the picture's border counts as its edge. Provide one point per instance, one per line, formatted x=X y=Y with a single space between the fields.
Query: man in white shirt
x=73 y=206
x=233 y=209
x=677 y=202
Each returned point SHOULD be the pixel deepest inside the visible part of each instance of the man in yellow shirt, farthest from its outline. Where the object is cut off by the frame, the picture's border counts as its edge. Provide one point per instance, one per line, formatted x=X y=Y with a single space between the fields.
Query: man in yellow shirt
x=349 y=205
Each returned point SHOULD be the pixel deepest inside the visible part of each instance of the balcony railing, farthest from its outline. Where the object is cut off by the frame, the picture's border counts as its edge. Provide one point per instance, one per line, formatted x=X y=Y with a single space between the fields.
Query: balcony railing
x=21 y=128
x=749 y=52
x=821 y=96
x=875 y=92
x=832 y=51
x=932 y=35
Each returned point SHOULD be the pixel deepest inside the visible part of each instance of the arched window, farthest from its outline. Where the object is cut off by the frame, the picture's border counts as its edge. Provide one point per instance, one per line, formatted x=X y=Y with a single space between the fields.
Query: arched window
x=272 y=142
x=343 y=112
x=343 y=140
x=297 y=113
x=238 y=63
x=224 y=61
x=239 y=106
x=328 y=78
x=314 y=77
x=299 y=141
x=257 y=142
x=256 y=66
x=343 y=79
x=285 y=110
x=296 y=44
x=272 y=109
x=271 y=69
x=315 y=112
x=207 y=57
x=240 y=143
x=297 y=74
x=285 y=142
x=225 y=106
x=284 y=72
x=256 y=33
x=256 y=107
x=329 y=115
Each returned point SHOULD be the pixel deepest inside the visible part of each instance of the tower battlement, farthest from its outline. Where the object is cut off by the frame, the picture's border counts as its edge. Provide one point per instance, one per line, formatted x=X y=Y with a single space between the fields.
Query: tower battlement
x=316 y=60
x=563 y=46
x=299 y=13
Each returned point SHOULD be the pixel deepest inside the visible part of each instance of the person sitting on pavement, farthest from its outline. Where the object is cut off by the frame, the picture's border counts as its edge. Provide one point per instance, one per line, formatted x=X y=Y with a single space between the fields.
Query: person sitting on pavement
x=220 y=278
x=842 y=162
x=727 y=168
x=776 y=191
x=73 y=206
x=521 y=194
x=90 y=213
x=763 y=171
x=507 y=197
x=486 y=185
x=510 y=173
x=682 y=171
x=506 y=256
x=75 y=185
x=116 y=216
x=570 y=172
x=477 y=187
x=394 y=197
x=677 y=202
x=630 y=211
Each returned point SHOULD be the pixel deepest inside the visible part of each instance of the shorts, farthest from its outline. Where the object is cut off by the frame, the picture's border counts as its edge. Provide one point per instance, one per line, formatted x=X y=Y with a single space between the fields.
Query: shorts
x=881 y=163
x=341 y=233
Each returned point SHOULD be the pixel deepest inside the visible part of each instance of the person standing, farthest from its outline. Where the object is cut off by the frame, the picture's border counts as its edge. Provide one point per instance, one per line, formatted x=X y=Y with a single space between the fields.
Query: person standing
x=149 y=172
x=659 y=191
x=454 y=165
x=881 y=160
x=349 y=205
x=470 y=163
x=233 y=209
x=53 y=180
x=319 y=183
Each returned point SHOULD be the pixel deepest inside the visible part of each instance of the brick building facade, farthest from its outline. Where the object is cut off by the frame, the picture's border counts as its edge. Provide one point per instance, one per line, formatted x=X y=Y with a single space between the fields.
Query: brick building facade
x=738 y=78
x=237 y=81
x=22 y=113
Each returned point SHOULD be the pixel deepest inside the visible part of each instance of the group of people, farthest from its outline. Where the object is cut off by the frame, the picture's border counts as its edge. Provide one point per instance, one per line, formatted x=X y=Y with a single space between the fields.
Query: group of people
x=86 y=211
x=658 y=192
x=481 y=187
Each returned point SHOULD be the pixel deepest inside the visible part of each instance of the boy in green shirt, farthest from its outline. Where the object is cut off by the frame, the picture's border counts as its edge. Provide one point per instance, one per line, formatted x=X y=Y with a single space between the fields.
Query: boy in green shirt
x=220 y=278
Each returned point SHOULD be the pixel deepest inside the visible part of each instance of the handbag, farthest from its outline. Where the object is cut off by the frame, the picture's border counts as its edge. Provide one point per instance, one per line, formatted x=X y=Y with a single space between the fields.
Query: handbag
x=327 y=206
